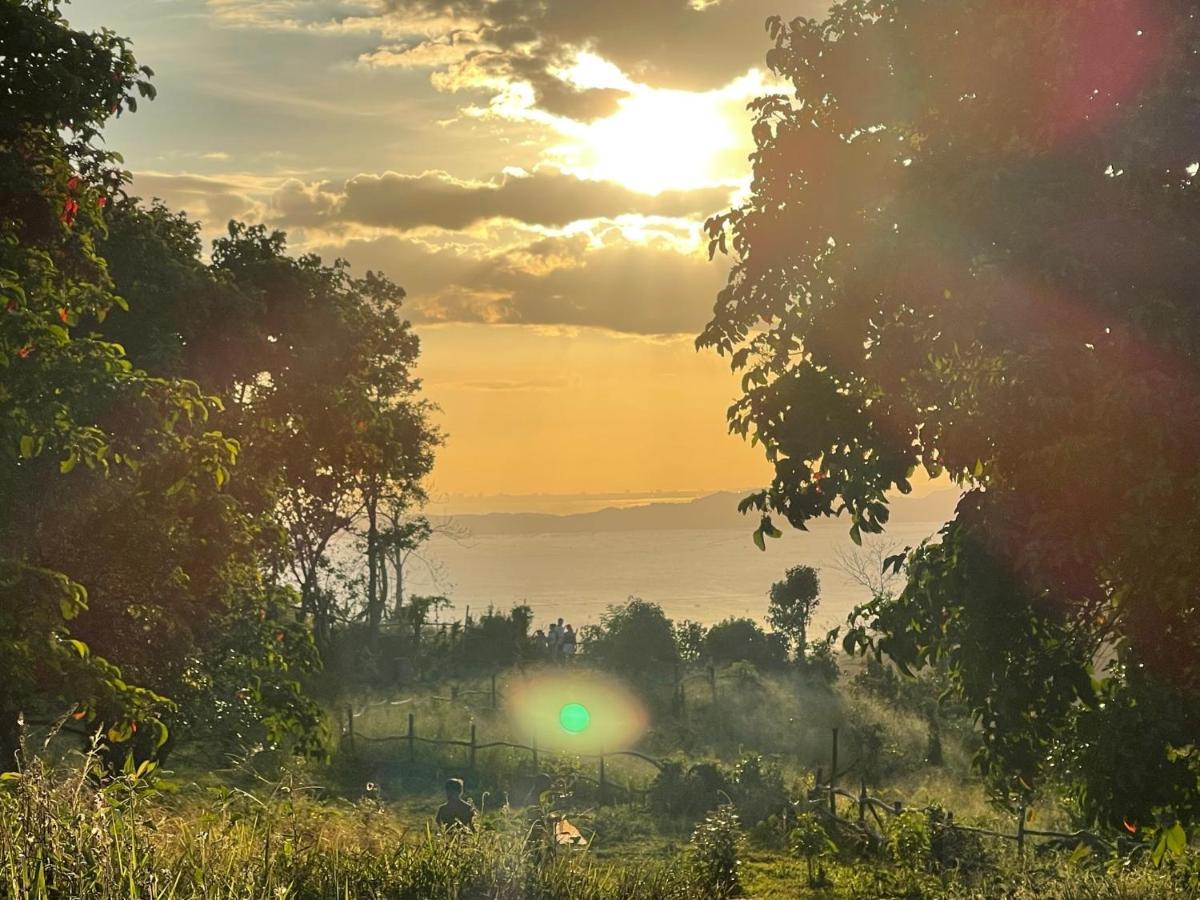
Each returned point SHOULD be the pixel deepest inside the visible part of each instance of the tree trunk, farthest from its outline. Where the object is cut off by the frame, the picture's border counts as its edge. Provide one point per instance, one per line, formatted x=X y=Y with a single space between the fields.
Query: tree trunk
x=374 y=600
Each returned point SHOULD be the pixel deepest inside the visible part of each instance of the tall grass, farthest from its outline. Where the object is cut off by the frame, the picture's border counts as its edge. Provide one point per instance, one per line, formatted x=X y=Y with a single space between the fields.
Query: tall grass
x=72 y=831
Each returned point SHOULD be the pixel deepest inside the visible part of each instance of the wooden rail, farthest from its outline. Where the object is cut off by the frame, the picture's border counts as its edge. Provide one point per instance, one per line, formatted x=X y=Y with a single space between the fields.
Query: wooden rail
x=867 y=803
x=473 y=745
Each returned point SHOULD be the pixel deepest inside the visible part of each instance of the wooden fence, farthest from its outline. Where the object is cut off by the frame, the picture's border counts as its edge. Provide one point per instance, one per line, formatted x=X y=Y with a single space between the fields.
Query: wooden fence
x=472 y=744
x=862 y=803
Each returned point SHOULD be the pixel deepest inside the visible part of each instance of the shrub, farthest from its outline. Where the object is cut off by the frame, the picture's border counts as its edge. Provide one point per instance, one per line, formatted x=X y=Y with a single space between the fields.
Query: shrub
x=809 y=841
x=908 y=839
x=716 y=846
x=632 y=637
x=741 y=639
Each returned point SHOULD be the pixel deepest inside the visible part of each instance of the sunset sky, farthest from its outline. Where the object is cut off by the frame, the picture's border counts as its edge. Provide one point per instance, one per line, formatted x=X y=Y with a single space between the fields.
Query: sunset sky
x=533 y=172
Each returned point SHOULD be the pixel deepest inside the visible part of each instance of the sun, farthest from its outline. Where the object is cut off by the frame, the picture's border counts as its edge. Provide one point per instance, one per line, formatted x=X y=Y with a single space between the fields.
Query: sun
x=659 y=139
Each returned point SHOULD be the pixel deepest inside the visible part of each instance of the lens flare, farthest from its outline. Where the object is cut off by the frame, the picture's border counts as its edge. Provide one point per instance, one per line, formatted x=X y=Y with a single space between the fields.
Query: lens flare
x=574 y=718
x=576 y=710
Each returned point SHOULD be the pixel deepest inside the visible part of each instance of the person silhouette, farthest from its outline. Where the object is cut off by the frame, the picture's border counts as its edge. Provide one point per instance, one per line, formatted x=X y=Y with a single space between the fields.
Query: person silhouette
x=456 y=813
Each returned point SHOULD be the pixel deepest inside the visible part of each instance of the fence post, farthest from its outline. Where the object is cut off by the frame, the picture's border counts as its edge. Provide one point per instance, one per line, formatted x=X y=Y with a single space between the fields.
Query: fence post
x=862 y=803
x=1021 y=831
x=472 y=758
x=833 y=775
x=712 y=683
x=412 y=737
x=493 y=691
x=603 y=780
x=350 y=727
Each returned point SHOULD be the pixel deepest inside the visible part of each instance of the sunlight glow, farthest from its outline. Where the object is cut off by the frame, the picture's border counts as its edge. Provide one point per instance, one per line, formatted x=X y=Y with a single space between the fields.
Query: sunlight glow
x=658 y=140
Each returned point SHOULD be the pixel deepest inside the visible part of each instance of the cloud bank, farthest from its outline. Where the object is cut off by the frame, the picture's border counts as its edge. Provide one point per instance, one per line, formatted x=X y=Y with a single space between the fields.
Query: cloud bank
x=435 y=199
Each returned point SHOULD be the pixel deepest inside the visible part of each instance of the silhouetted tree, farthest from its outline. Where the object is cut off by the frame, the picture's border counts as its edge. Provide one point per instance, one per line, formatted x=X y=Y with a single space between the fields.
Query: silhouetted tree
x=973 y=236
x=732 y=640
x=793 y=602
x=631 y=637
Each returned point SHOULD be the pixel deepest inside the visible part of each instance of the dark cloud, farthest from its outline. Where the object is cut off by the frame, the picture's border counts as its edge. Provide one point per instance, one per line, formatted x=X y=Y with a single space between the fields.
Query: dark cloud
x=547 y=197
x=628 y=287
x=212 y=201
x=555 y=95
x=663 y=43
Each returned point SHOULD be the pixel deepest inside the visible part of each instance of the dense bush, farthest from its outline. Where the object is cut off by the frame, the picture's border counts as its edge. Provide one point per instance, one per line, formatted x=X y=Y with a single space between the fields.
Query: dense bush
x=631 y=638
x=734 y=640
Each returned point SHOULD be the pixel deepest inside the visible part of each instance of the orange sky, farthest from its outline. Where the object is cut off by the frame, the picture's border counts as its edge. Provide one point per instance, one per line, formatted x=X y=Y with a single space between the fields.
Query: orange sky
x=534 y=174
x=551 y=410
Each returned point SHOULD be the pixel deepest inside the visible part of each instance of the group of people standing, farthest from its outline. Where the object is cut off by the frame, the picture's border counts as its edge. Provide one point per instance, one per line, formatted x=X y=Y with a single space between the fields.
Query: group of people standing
x=558 y=642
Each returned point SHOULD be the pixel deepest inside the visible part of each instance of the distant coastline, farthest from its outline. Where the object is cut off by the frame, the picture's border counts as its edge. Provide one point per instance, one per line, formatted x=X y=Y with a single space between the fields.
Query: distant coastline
x=717 y=511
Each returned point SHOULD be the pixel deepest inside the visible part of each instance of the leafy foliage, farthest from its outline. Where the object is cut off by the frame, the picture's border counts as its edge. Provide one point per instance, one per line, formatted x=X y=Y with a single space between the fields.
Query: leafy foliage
x=632 y=637
x=716 y=846
x=231 y=417
x=733 y=639
x=67 y=396
x=793 y=602
x=969 y=248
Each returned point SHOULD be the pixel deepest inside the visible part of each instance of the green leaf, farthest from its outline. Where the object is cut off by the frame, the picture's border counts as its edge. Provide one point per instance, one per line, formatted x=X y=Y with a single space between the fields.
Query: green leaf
x=856 y=535
x=1176 y=838
x=27 y=446
x=69 y=463
x=1081 y=852
x=1160 y=849
x=80 y=647
x=758 y=540
x=163 y=734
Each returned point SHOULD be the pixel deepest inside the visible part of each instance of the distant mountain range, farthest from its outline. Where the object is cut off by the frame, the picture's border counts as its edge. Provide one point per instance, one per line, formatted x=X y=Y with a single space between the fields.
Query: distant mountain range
x=714 y=511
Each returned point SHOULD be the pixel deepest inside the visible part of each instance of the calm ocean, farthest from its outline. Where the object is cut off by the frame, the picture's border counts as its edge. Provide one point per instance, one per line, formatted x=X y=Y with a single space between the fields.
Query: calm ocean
x=704 y=575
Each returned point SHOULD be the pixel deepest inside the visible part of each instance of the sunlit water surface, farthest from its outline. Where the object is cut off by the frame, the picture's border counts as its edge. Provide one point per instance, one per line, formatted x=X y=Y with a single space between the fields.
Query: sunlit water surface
x=692 y=574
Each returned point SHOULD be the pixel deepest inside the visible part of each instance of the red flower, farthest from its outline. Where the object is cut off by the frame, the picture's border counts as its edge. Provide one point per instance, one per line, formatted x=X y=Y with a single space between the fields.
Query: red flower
x=133 y=727
x=1131 y=827
x=72 y=182
x=25 y=351
x=79 y=715
x=63 y=315
x=361 y=425
x=11 y=306
x=70 y=208
x=279 y=636
x=102 y=202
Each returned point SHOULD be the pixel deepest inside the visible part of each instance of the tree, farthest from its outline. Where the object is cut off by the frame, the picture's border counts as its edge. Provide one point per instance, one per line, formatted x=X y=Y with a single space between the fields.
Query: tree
x=67 y=396
x=314 y=368
x=734 y=639
x=972 y=236
x=793 y=602
x=689 y=639
x=632 y=637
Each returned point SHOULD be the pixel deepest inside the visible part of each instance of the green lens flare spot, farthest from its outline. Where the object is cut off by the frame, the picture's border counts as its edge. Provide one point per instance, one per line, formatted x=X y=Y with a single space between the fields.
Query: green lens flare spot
x=574 y=718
